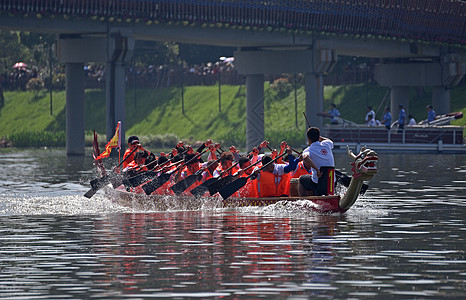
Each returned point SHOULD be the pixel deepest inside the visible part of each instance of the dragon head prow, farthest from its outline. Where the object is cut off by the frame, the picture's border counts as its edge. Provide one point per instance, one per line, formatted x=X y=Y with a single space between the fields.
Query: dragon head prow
x=364 y=164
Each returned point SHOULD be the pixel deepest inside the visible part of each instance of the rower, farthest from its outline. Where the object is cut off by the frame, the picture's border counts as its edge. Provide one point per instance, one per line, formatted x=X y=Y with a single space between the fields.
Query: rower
x=133 y=142
x=273 y=180
x=226 y=161
x=249 y=190
x=319 y=157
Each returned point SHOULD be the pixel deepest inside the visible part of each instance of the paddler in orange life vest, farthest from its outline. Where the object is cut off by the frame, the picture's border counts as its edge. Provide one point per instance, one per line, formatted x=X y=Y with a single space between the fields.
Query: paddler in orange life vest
x=165 y=188
x=226 y=161
x=249 y=190
x=254 y=155
x=133 y=142
x=209 y=170
x=273 y=181
x=138 y=163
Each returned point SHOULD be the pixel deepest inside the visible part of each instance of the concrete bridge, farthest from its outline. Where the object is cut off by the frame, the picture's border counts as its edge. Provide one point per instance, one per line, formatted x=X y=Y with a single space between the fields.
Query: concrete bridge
x=418 y=42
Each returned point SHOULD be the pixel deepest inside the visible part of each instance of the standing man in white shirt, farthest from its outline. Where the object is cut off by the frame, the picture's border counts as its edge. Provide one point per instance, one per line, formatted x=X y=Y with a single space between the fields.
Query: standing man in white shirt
x=318 y=154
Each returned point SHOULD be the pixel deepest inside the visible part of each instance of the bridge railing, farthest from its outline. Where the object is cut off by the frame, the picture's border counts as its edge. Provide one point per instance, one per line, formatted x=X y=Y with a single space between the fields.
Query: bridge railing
x=427 y=20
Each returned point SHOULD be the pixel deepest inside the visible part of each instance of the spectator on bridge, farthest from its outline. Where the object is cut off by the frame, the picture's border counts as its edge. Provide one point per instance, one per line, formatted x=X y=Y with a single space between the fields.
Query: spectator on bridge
x=370 y=112
x=334 y=113
x=411 y=121
x=431 y=115
x=401 y=118
x=387 y=118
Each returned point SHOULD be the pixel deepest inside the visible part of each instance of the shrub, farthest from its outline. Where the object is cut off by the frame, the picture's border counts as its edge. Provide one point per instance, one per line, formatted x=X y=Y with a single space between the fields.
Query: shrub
x=38 y=139
x=36 y=85
x=168 y=140
x=282 y=86
x=58 y=82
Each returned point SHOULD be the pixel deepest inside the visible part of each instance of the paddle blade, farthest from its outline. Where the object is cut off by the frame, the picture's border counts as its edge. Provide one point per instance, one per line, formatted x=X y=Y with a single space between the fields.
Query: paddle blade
x=199 y=190
x=230 y=189
x=346 y=180
x=182 y=185
x=363 y=189
x=154 y=184
x=209 y=181
x=343 y=179
x=90 y=193
x=97 y=184
x=214 y=187
x=116 y=180
x=139 y=179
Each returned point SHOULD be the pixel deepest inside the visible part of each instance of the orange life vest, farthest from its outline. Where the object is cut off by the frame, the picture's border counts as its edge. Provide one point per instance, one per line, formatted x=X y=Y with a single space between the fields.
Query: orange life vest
x=300 y=170
x=249 y=190
x=267 y=185
x=130 y=159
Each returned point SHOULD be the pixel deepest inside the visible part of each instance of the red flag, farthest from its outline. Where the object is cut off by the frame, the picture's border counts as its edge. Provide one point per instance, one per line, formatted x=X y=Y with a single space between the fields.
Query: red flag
x=114 y=142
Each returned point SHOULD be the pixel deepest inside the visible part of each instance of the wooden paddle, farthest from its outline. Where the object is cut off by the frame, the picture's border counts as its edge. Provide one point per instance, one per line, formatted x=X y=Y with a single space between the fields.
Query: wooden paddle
x=221 y=181
x=99 y=183
x=154 y=184
x=204 y=187
x=230 y=189
x=139 y=179
x=182 y=185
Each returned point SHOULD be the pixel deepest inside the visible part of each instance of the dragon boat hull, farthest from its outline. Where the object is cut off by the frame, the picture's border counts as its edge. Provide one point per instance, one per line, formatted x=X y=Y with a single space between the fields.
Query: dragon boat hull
x=322 y=204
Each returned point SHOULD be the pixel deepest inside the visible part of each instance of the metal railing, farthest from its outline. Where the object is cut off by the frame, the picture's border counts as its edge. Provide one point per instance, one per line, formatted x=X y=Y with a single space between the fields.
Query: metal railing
x=427 y=20
x=418 y=134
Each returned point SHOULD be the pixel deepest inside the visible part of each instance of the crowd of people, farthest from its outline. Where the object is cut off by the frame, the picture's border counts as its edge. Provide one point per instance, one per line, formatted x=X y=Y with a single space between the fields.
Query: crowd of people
x=151 y=76
x=386 y=120
x=266 y=175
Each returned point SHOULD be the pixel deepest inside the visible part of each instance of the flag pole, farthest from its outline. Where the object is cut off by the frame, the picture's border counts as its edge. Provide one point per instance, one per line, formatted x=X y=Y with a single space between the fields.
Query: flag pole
x=119 y=142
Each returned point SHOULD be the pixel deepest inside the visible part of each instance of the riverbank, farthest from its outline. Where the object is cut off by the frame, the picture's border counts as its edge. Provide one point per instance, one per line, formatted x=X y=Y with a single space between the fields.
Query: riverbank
x=199 y=113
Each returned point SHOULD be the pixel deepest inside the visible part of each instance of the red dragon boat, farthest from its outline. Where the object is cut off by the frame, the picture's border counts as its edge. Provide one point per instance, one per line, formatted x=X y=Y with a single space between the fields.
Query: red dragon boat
x=363 y=168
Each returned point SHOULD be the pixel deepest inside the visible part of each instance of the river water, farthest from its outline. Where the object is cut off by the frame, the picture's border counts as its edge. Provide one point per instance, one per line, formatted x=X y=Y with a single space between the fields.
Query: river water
x=405 y=239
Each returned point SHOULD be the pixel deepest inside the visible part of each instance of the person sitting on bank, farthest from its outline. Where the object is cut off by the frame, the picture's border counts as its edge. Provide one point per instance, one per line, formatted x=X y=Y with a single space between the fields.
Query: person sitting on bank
x=411 y=121
x=319 y=154
x=371 y=122
x=370 y=112
x=334 y=113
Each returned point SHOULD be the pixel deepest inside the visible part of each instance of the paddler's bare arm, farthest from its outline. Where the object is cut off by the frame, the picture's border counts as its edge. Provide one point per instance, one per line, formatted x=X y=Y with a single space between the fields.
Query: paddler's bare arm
x=308 y=163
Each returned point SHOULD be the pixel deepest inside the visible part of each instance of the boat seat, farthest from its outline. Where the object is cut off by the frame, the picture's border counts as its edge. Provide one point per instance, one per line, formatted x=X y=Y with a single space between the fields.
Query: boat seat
x=326 y=183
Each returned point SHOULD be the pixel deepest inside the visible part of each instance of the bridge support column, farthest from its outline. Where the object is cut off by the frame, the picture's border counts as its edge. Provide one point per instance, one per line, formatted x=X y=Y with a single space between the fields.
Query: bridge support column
x=74 y=108
x=314 y=98
x=399 y=95
x=312 y=62
x=120 y=47
x=441 y=100
x=254 y=110
x=115 y=98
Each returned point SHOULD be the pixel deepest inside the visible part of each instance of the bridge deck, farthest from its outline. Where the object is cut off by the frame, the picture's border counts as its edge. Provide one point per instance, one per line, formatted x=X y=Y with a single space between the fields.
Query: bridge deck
x=438 y=21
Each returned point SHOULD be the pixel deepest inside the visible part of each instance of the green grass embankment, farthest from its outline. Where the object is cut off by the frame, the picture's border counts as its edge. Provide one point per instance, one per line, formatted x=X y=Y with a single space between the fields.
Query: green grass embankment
x=159 y=111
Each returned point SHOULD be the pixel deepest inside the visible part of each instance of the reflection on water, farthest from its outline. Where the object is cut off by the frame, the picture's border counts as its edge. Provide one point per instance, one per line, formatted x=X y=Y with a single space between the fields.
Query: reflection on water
x=404 y=239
